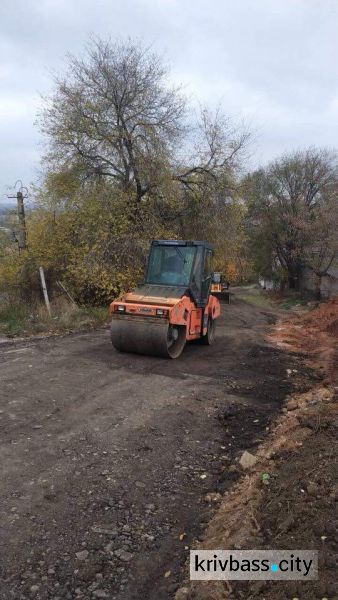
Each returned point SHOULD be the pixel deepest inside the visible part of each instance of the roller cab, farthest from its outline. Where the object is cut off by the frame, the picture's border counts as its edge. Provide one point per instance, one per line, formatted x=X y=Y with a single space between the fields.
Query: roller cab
x=173 y=306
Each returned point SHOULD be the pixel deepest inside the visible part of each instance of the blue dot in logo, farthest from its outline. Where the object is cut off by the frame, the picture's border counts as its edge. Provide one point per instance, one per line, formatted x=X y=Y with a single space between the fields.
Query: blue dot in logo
x=274 y=568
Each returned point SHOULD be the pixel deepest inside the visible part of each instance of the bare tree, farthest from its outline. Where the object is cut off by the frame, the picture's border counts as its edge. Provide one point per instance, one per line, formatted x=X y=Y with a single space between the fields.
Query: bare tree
x=114 y=114
x=322 y=253
x=218 y=150
x=294 y=208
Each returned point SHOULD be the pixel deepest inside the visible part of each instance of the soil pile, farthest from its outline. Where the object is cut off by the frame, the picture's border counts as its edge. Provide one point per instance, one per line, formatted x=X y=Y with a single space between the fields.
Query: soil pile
x=288 y=499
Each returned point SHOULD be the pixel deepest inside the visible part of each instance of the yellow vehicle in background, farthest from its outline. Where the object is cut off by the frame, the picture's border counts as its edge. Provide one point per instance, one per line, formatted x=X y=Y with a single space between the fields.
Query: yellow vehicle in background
x=220 y=287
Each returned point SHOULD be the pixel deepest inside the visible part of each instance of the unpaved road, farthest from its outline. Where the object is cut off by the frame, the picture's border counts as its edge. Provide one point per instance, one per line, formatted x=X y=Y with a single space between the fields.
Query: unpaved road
x=110 y=455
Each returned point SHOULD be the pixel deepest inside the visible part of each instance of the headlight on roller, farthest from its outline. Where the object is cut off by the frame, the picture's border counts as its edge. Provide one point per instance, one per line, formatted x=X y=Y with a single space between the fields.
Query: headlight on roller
x=120 y=308
x=161 y=312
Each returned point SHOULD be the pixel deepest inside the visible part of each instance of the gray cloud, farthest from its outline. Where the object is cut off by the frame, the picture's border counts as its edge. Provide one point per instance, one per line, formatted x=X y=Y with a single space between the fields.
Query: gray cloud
x=272 y=62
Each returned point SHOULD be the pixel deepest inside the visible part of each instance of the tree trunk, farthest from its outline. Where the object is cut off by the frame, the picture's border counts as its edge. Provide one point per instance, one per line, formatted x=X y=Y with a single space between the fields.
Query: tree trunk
x=292 y=282
x=318 y=284
x=294 y=276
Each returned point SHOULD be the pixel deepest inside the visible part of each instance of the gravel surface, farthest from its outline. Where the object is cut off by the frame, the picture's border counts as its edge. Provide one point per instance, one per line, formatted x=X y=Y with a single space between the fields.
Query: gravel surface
x=111 y=464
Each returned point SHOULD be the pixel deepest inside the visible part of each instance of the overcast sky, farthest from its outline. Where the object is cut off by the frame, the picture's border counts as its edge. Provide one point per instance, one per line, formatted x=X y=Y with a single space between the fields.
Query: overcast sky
x=272 y=62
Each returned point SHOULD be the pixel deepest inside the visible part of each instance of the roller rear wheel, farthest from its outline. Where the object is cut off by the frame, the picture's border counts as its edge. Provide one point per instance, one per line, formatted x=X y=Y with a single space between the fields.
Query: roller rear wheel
x=209 y=337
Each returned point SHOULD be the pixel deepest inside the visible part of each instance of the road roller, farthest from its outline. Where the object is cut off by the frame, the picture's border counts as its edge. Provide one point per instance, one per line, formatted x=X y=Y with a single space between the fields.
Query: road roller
x=220 y=287
x=173 y=305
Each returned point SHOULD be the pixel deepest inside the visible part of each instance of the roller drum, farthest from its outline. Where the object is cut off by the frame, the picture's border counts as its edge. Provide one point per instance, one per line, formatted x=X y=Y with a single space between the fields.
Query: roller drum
x=147 y=336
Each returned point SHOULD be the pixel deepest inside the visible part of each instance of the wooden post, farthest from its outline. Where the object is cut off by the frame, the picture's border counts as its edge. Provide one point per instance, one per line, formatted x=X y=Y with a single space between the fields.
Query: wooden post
x=22 y=221
x=44 y=289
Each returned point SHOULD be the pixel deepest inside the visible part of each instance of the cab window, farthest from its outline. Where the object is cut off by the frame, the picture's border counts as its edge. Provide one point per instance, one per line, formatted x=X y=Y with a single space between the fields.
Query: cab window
x=207 y=265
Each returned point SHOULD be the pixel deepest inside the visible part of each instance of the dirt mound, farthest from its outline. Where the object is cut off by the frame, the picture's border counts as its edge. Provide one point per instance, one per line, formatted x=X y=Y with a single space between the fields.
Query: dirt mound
x=314 y=334
x=297 y=508
x=332 y=328
x=324 y=316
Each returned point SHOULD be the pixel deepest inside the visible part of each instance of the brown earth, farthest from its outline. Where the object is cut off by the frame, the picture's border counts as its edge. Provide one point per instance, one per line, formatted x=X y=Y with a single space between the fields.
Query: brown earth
x=297 y=509
x=106 y=459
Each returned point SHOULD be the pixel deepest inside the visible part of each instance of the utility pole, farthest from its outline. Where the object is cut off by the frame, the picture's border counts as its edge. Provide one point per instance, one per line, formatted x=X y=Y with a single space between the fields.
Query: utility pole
x=22 y=221
x=21 y=194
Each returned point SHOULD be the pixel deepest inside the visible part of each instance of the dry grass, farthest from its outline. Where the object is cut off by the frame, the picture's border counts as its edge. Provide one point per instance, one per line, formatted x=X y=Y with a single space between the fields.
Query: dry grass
x=21 y=320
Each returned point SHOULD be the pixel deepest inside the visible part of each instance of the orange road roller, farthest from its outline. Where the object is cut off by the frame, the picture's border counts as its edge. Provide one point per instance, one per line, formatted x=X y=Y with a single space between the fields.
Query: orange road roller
x=173 y=305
